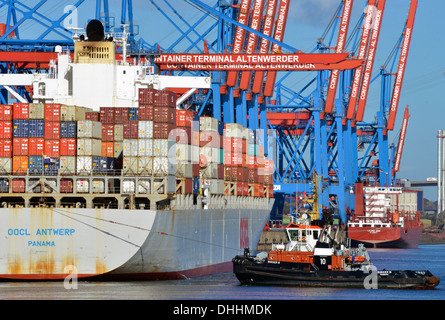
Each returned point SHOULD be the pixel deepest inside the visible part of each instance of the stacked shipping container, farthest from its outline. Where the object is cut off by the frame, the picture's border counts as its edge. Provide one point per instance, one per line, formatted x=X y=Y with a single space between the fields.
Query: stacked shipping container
x=153 y=142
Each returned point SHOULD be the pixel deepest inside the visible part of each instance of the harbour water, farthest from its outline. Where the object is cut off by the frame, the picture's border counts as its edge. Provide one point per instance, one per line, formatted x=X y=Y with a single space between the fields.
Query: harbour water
x=226 y=286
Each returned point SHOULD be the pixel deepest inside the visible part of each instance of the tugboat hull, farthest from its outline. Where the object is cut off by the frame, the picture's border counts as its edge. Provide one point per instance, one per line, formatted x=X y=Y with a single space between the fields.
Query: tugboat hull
x=249 y=272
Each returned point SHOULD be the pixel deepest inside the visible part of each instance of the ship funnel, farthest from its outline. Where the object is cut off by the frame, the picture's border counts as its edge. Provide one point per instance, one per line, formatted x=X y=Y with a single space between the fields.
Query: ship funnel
x=95 y=31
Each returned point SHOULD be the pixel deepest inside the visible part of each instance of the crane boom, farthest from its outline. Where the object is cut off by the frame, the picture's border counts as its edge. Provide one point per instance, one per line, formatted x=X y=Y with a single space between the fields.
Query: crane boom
x=252 y=41
x=361 y=55
x=370 y=61
x=402 y=65
x=341 y=44
x=279 y=35
x=265 y=44
x=401 y=141
x=238 y=43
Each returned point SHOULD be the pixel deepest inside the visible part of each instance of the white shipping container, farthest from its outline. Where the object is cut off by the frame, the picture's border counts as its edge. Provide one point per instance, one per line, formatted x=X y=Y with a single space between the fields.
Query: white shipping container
x=145 y=129
x=145 y=166
x=194 y=156
x=118 y=132
x=233 y=130
x=73 y=113
x=67 y=165
x=130 y=166
x=36 y=111
x=211 y=154
x=160 y=147
x=144 y=186
x=82 y=186
x=5 y=165
x=89 y=129
x=89 y=147
x=184 y=170
x=216 y=186
x=128 y=186
x=210 y=172
x=118 y=149
x=130 y=147
x=97 y=186
x=183 y=152
x=84 y=165
x=208 y=124
x=145 y=147
x=160 y=166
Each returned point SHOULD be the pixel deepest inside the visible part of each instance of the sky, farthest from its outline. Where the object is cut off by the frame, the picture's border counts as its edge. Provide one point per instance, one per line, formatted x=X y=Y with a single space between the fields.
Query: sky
x=424 y=83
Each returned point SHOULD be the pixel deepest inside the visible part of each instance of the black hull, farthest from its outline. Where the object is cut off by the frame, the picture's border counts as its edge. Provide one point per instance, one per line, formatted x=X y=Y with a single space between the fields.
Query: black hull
x=250 y=272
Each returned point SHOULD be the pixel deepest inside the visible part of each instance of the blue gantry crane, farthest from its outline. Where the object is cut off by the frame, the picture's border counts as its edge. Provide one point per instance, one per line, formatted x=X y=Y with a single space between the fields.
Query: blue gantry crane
x=319 y=129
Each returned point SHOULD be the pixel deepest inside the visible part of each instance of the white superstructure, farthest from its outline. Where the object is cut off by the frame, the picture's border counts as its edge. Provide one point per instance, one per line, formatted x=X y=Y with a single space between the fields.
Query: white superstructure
x=96 y=79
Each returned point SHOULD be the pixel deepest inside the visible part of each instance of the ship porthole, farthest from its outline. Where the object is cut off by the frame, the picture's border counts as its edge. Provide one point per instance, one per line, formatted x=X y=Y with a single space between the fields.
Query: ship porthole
x=292 y=258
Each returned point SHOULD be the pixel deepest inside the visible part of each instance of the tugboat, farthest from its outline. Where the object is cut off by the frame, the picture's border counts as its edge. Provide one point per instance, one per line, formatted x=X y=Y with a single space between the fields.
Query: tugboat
x=314 y=256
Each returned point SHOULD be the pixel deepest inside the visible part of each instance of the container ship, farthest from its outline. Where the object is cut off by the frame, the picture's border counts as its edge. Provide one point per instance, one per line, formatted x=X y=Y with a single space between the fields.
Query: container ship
x=104 y=176
x=385 y=217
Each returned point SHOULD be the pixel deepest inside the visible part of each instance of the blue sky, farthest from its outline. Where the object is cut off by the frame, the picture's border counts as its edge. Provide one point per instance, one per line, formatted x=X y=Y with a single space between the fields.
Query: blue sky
x=424 y=83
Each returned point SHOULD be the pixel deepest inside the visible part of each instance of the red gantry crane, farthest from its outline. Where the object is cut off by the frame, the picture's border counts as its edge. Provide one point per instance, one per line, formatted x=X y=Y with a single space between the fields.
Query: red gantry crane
x=402 y=65
x=341 y=44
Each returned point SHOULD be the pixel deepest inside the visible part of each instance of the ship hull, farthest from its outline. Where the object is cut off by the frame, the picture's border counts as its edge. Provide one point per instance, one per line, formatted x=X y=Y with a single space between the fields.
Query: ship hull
x=53 y=243
x=386 y=237
x=250 y=272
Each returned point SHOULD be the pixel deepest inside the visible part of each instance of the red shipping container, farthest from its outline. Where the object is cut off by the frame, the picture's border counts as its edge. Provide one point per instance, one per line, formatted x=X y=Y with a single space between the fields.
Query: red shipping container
x=107 y=132
x=36 y=146
x=120 y=115
x=52 y=130
x=52 y=112
x=5 y=112
x=68 y=147
x=145 y=112
x=93 y=116
x=164 y=98
x=233 y=159
x=131 y=129
x=21 y=110
x=66 y=186
x=107 y=115
x=5 y=129
x=52 y=148
x=164 y=114
x=5 y=148
x=184 y=118
x=20 y=146
x=146 y=96
x=18 y=185
x=162 y=130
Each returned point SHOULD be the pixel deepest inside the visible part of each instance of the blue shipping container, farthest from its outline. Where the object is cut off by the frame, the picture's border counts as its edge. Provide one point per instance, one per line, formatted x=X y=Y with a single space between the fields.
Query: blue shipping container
x=36 y=128
x=68 y=129
x=133 y=113
x=35 y=164
x=196 y=185
x=104 y=165
x=4 y=185
x=195 y=125
x=20 y=128
x=51 y=167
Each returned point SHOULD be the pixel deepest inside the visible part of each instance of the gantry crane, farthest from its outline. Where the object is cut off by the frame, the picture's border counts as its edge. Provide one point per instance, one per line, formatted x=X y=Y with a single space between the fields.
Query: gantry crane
x=317 y=132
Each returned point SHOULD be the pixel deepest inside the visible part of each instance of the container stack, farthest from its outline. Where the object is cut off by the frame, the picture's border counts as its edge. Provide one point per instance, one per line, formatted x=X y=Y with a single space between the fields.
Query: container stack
x=211 y=150
x=235 y=160
x=157 y=148
x=187 y=153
